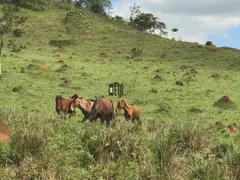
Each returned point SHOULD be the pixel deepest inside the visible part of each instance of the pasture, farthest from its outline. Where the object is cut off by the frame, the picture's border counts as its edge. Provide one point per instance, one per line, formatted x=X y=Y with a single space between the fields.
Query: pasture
x=178 y=121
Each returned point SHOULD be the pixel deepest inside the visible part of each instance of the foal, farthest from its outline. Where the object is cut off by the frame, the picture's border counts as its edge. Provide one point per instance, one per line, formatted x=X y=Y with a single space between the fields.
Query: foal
x=130 y=112
x=62 y=107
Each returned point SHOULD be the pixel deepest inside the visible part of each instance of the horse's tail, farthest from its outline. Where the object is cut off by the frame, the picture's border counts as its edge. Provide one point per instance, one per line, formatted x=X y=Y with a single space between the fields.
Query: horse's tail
x=112 y=109
x=57 y=104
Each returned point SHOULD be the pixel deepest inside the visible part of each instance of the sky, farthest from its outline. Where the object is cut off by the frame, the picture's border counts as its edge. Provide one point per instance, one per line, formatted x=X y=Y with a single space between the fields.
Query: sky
x=198 y=21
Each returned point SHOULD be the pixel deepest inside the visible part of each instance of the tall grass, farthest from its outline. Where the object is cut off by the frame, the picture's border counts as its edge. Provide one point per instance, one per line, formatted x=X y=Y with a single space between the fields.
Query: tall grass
x=176 y=138
x=67 y=149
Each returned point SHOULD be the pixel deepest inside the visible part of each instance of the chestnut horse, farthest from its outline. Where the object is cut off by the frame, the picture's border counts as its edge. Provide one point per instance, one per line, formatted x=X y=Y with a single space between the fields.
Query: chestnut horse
x=130 y=112
x=62 y=107
x=102 y=107
x=5 y=132
x=84 y=105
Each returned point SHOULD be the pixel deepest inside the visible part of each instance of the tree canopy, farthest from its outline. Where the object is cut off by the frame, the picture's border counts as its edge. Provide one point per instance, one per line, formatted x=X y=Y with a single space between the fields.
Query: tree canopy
x=97 y=6
x=146 y=22
x=74 y=20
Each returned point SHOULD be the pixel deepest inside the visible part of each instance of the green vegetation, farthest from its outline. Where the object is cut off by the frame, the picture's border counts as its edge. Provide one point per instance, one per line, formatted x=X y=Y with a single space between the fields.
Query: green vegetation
x=97 y=6
x=172 y=83
x=146 y=22
x=75 y=20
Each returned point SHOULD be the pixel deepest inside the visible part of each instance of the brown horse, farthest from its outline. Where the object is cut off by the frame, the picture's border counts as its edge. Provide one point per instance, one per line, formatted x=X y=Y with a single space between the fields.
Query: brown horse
x=84 y=105
x=5 y=132
x=62 y=107
x=130 y=112
x=102 y=107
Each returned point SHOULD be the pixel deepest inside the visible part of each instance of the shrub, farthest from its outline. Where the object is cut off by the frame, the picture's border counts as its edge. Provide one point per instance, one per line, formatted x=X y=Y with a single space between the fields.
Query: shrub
x=190 y=138
x=17 y=88
x=27 y=144
x=63 y=68
x=153 y=90
x=163 y=151
x=40 y=5
x=4 y=154
x=61 y=43
x=205 y=169
x=18 y=32
x=112 y=143
x=163 y=108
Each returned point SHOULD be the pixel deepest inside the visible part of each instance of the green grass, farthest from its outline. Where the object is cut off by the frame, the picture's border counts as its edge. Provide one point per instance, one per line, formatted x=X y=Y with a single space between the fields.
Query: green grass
x=177 y=128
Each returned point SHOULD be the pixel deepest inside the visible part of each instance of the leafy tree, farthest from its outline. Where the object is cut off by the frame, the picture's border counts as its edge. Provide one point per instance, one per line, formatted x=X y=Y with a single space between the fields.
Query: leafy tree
x=31 y=4
x=146 y=22
x=17 y=4
x=75 y=20
x=135 y=11
x=119 y=19
x=174 y=30
x=97 y=6
x=7 y=21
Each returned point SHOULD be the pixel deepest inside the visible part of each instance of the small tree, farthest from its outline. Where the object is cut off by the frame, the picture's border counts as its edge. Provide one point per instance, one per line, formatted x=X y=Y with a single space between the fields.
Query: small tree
x=6 y=23
x=75 y=20
x=174 y=30
x=97 y=6
x=146 y=22
x=135 y=11
x=17 y=4
x=7 y=20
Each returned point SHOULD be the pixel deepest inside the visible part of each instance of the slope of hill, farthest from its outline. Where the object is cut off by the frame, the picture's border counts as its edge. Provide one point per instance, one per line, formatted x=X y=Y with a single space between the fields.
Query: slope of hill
x=172 y=82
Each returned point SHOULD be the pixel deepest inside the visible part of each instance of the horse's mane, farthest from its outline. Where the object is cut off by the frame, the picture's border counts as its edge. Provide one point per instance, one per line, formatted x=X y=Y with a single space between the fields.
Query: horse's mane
x=91 y=100
x=126 y=104
x=58 y=97
x=74 y=96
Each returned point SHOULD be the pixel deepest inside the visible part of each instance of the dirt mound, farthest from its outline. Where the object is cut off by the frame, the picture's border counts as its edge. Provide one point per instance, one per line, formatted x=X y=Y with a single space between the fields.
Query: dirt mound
x=42 y=68
x=224 y=102
x=232 y=129
x=103 y=54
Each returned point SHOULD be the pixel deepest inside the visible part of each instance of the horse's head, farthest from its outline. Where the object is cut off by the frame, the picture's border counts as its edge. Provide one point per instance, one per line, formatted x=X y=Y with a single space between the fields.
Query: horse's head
x=57 y=99
x=75 y=102
x=120 y=105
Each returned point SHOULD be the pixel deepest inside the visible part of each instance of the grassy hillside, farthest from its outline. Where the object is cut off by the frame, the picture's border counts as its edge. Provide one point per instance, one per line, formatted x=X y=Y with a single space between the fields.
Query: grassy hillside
x=174 y=117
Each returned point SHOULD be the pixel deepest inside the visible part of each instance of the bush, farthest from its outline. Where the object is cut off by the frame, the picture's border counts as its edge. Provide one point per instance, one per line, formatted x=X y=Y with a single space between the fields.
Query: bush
x=27 y=144
x=112 y=143
x=17 y=88
x=18 y=32
x=4 y=156
x=206 y=169
x=61 y=43
x=63 y=68
x=40 y=5
x=163 y=151
x=190 y=138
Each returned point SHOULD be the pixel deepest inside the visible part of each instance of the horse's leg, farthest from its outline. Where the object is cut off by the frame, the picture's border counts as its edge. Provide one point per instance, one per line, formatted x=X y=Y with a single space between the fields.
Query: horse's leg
x=84 y=119
x=65 y=115
x=102 y=118
x=108 y=119
x=58 y=114
x=139 y=122
x=132 y=119
x=69 y=114
x=61 y=115
x=126 y=116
